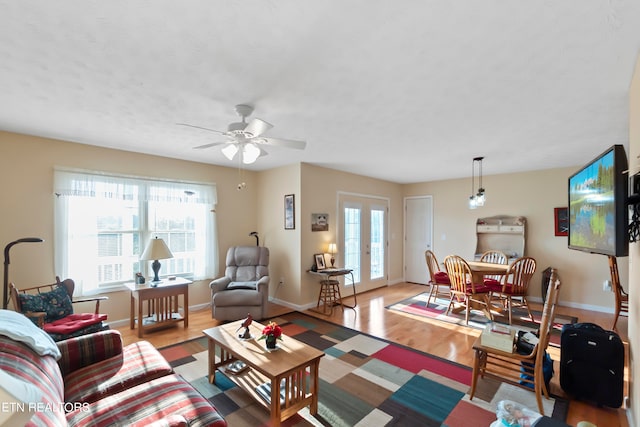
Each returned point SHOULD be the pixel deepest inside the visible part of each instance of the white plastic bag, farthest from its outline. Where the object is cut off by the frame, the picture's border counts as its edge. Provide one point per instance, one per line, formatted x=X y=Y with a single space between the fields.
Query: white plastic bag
x=513 y=414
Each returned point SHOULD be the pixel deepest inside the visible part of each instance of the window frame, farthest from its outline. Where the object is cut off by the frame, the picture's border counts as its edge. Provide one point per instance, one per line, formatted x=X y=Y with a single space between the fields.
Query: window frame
x=143 y=192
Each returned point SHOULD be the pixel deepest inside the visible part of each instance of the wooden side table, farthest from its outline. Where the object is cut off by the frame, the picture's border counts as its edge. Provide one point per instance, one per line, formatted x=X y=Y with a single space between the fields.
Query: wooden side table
x=162 y=304
x=329 y=295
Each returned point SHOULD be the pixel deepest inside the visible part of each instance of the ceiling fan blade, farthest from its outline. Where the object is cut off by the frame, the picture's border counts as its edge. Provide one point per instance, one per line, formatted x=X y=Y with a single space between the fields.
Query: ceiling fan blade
x=257 y=127
x=200 y=127
x=281 y=142
x=213 y=144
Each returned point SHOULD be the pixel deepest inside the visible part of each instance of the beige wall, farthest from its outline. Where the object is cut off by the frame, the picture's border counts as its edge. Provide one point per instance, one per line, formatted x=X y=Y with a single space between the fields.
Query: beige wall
x=26 y=169
x=533 y=195
x=26 y=192
x=284 y=245
x=320 y=188
x=634 y=252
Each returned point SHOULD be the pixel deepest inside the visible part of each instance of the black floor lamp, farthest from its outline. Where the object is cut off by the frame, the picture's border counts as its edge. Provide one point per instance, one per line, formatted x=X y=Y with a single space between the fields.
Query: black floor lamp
x=5 y=300
x=255 y=234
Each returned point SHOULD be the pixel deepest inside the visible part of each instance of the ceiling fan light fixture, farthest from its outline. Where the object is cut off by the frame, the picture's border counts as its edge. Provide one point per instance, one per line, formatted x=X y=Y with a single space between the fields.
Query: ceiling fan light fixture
x=230 y=151
x=250 y=153
x=236 y=128
x=245 y=139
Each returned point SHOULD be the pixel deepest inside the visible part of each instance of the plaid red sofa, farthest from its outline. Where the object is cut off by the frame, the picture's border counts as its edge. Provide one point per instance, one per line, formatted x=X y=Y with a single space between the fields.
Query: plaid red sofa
x=99 y=382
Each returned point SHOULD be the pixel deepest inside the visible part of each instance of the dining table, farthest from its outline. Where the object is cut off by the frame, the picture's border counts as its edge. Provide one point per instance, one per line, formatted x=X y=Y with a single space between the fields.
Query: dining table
x=480 y=269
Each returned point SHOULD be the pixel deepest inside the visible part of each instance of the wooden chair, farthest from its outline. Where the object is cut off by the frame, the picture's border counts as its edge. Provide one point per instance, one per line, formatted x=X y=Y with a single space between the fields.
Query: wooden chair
x=494 y=257
x=51 y=308
x=622 y=298
x=464 y=292
x=437 y=277
x=515 y=286
x=509 y=367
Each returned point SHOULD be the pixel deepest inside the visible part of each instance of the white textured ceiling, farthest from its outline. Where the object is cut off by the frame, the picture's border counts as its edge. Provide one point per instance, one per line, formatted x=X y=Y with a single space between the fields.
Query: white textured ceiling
x=406 y=91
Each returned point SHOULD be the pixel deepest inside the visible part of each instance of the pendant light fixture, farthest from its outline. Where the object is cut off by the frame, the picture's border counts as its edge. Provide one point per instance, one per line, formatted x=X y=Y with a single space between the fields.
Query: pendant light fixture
x=478 y=199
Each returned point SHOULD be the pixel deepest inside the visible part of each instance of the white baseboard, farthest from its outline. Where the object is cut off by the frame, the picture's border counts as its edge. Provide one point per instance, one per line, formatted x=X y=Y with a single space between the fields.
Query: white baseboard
x=589 y=307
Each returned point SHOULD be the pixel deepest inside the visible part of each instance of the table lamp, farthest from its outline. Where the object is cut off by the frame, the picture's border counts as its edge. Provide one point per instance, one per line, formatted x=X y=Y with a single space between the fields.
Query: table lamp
x=333 y=248
x=156 y=249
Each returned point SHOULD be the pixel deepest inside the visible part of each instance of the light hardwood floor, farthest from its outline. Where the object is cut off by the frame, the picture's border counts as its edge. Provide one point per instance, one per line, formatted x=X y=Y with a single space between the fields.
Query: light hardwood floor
x=447 y=341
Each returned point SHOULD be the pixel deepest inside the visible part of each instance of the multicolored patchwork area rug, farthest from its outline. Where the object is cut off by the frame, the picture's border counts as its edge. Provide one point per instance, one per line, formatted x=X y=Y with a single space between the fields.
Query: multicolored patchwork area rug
x=364 y=381
x=417 y=305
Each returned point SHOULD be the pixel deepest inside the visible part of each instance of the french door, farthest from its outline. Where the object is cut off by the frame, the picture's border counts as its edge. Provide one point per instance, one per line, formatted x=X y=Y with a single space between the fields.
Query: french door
x=363 y=240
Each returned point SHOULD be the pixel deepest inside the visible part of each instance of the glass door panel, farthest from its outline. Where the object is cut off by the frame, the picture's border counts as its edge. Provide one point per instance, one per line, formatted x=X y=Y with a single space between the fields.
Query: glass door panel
x=363 y=240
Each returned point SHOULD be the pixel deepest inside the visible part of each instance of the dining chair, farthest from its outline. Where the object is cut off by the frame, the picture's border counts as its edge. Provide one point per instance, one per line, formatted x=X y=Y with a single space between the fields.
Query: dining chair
x=437 y=277
x=515 y=286
x=622 y=298
x=523 y=370
x=464 y=292
x=494 y=257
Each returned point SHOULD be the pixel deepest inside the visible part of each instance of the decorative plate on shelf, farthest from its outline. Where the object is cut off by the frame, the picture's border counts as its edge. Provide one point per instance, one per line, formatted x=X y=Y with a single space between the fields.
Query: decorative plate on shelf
x=237 y=367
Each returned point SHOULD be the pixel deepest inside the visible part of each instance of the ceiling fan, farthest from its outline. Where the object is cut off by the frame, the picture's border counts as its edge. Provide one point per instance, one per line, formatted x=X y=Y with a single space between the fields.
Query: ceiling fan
x=245 y=139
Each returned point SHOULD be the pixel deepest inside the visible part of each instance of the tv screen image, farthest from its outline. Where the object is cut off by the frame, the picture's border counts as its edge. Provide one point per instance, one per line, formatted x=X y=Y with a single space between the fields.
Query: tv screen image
x=598 y=205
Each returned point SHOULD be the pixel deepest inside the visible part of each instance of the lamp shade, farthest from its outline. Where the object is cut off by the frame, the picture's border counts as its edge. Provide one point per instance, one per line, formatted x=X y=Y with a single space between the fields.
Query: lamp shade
x=250 y=153
x=333 y=248
x=230 y=150
x=156 y=249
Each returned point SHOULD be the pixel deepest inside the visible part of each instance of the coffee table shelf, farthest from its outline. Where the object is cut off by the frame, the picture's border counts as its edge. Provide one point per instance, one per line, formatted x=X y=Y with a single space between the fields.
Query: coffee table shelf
x=295 y=366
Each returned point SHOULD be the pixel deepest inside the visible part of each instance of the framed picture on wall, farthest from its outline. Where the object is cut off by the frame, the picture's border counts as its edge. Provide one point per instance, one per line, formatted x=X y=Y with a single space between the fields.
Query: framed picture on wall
x=561 y=221
x=289 y=212
x=319 y=222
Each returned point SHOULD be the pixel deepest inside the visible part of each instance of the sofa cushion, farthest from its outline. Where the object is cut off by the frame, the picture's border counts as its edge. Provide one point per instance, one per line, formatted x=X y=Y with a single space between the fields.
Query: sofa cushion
x=86 y=350
x=237 y=297
x=21 y=362
x=56 y=303
x=18 y=397
x=151 y=402
x=138 y=362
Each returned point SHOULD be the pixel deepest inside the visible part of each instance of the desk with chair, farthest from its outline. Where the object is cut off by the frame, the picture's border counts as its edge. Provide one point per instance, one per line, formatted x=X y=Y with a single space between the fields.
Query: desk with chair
x=330 y=295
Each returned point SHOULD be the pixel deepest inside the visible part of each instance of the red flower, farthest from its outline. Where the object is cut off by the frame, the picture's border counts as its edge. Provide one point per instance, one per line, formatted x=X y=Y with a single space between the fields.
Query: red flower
x=271 y=329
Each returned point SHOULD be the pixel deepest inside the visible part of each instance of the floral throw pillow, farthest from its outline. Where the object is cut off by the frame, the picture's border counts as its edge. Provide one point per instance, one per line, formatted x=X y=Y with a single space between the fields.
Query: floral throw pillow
x=56 y=303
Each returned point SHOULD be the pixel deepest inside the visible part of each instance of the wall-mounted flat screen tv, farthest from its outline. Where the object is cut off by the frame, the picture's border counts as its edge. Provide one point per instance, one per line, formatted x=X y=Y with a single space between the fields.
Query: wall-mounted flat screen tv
x=598 y=205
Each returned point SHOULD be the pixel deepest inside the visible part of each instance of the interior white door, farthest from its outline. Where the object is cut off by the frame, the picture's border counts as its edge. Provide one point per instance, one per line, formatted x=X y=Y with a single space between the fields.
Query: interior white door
x=363 y=240
x=418 y=212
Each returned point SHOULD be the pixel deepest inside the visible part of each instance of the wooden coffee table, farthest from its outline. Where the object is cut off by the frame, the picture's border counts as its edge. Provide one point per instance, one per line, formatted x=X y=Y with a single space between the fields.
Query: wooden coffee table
x=294 y=365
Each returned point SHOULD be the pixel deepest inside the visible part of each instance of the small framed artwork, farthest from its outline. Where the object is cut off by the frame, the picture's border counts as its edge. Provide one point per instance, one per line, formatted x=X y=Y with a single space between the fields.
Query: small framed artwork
x=561 y=221
x=319 y=222
x=289 y=212
x=320 y=265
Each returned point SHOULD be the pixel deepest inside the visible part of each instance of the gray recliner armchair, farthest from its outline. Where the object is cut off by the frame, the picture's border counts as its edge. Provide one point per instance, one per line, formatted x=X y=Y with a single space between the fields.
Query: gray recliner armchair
x=244 y=289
